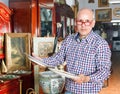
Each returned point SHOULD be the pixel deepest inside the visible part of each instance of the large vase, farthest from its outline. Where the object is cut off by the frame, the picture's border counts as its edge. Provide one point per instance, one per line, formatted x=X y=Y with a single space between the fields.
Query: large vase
x=51 y=82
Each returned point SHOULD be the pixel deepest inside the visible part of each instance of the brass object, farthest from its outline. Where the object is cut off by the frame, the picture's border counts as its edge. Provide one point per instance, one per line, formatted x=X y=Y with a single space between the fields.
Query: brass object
x=20 y=86
x=30 y=91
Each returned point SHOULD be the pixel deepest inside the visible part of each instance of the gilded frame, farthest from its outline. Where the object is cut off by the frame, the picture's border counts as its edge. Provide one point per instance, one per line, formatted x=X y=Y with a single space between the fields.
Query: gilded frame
x=42 y=46
x=116 y=12
x=103 y=3
x=104 y=15
x=16 y=45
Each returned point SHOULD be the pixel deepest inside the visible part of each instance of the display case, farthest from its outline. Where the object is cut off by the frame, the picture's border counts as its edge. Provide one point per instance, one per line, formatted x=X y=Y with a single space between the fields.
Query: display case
x=46 y=18
x=40 y=17
x=26 y=17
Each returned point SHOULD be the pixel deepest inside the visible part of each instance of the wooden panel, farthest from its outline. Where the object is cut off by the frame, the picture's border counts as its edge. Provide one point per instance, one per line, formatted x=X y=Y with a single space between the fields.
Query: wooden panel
x=27 y=82
x=34 y=18
x=10 y=87
x=46 y=1
x=5 y=14
x=21 y=18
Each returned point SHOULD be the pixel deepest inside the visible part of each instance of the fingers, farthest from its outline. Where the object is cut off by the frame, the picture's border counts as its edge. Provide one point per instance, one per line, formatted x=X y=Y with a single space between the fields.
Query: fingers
x=81 y=78
x=33 y=54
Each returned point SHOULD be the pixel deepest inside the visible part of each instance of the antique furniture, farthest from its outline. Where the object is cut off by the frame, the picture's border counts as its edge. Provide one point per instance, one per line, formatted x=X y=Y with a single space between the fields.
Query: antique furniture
x=26 y=16
x=5 y=14
x=40 y=17
x=10 y=87
x=18 y=85
x=22 y=16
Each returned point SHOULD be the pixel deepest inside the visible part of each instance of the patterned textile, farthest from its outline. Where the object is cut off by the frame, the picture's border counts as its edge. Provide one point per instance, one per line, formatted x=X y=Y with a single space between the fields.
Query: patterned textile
x=91 y=56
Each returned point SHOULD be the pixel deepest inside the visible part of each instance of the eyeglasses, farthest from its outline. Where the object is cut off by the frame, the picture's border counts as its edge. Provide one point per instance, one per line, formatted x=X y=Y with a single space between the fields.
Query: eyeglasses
x=86 y=22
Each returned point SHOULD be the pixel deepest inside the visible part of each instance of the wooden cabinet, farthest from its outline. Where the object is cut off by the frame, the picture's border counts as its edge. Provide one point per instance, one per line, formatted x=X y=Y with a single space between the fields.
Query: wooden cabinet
x=27 y=82
x=10 y=87
x=21 y=17
x=40 y=17
x=17 y=86
x=46 y=18
x=5 y=14
x=26 y=17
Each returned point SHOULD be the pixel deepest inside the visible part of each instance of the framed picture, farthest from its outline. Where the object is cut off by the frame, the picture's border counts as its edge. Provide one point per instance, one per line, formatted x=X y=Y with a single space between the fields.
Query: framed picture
x=91 y=1
x=116 y=12
x=42 y=46
x=103 y=14
x=17 y=44
x=103 y=3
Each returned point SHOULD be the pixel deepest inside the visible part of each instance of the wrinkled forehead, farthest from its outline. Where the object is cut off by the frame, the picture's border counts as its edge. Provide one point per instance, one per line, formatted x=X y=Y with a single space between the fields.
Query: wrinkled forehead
x=85 y=14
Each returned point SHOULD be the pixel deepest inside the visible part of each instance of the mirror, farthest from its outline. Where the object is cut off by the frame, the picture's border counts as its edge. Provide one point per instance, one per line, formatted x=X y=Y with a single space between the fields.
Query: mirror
x=46 y=21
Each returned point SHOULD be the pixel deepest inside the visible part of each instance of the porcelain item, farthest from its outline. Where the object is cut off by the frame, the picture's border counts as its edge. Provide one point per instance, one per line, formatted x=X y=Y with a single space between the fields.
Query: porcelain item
x=51 y=82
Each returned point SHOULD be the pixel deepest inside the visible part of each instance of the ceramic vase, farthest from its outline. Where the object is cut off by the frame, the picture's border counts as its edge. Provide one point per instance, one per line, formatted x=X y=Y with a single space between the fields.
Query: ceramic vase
x=51 y=82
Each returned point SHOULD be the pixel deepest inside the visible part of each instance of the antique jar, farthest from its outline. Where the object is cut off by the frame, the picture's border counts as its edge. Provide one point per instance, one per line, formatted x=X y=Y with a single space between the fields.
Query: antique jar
x=51 y=82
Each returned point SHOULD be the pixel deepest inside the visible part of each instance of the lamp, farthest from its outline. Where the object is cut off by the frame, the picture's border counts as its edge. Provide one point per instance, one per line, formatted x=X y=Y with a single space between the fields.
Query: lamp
x=114 y=1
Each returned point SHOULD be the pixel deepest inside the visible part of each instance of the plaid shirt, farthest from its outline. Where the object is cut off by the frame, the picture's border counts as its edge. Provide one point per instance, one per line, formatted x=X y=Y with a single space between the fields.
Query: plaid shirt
x=91 y=56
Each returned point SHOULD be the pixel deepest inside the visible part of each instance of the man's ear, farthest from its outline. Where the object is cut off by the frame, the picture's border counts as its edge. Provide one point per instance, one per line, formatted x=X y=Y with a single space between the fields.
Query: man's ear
x=93 y=23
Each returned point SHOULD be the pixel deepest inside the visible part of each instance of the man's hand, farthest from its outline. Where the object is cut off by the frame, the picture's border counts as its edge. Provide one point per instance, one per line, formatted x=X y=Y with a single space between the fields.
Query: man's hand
x=36 y=56
x=81 y=79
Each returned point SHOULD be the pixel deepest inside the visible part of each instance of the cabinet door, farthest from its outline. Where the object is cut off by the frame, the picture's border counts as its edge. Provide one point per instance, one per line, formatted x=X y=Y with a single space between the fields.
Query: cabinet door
x=21 y=17
x=10 y=87
x=27 y=82
x=46 y=19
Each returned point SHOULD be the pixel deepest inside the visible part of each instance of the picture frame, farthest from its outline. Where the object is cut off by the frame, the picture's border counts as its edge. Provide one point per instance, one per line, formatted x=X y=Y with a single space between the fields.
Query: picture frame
x=116 y=12
x=91 y=1
x=103 y=3
x=104 y=15
x=43 y=46
x=17 y=44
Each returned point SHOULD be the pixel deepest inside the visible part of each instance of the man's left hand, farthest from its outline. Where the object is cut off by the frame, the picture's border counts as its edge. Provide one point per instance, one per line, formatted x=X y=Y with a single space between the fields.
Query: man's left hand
x=81 y=79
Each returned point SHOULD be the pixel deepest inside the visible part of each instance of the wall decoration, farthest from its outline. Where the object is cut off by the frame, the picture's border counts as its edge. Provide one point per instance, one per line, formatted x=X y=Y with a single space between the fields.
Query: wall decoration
x=16 y=45
x=91 y=1
x=116 y=12
x=103 y=3
x=103 y=14
x=42 y=46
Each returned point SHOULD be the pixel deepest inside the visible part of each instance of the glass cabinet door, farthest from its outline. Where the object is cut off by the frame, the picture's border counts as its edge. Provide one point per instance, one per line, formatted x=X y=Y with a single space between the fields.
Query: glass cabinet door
x=46 y=21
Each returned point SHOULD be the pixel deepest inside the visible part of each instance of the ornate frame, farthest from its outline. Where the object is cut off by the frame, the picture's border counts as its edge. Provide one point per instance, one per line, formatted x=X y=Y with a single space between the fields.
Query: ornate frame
x=103 y=3
x=103 y=14
x=16 y=45
x=42 y=46
x=116 y=12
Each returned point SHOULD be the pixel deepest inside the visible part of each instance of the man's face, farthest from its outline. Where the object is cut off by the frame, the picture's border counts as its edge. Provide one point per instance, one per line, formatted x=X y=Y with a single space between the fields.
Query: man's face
x=84 y=23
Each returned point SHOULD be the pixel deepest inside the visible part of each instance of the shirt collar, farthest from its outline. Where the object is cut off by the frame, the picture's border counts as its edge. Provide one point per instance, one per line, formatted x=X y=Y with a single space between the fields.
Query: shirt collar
x=88 y=39
x=77 y=37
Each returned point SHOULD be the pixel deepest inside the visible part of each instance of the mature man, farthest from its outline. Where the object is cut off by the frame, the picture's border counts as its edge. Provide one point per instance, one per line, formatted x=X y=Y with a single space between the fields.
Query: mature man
x=87 y=55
